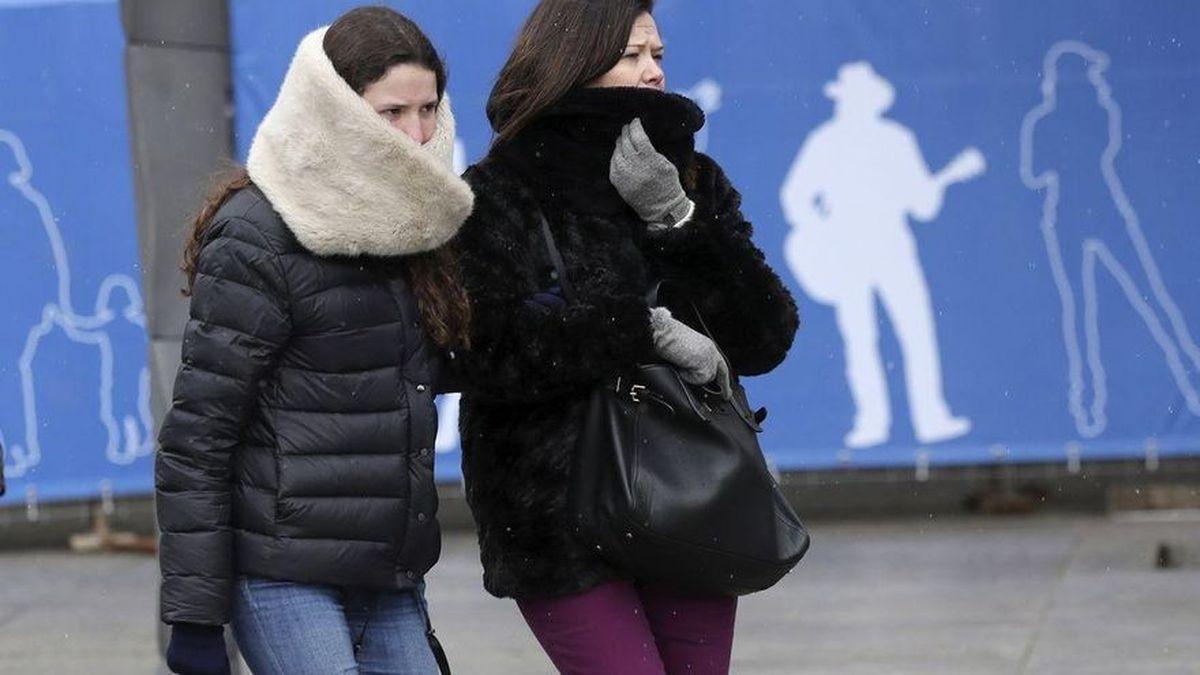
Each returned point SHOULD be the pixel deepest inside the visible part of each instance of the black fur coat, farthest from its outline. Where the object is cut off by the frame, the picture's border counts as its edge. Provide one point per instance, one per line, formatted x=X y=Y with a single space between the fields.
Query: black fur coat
x=531 y=366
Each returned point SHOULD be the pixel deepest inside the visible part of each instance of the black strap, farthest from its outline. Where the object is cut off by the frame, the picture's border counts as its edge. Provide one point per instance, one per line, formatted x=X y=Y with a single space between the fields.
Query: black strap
x=569 y=291
x=556 y=258
x=435 y=645
x=655 y=294
x=561 y=267
x=439 y=654
x=362 y=634
x=652 y=298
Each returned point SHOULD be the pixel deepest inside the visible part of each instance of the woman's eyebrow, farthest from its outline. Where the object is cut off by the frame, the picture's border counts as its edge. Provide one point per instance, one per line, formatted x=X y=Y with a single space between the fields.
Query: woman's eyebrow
x=402 y=102
x=657 y=44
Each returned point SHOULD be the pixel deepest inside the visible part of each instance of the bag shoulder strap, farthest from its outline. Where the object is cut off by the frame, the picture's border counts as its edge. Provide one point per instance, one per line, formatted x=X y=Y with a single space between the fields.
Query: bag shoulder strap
x=556 y=257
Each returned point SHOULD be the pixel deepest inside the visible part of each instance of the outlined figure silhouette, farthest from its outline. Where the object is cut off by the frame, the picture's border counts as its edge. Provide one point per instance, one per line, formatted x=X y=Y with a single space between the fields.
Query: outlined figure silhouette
x=29 y=288
x=1090 y=225
x=854 y=184
x=121 y=321
x=38 y=302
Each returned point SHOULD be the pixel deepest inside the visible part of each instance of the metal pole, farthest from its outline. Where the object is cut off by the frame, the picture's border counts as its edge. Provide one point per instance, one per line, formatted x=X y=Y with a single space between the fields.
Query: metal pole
x=177 y=67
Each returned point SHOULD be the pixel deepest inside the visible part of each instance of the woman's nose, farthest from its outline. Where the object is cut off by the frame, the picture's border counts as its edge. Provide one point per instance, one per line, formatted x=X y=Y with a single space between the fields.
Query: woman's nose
x=411 y=126
x=653 y=75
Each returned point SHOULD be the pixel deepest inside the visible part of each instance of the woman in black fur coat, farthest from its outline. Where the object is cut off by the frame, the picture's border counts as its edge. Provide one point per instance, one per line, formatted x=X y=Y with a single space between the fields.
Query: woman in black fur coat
x=587 y=136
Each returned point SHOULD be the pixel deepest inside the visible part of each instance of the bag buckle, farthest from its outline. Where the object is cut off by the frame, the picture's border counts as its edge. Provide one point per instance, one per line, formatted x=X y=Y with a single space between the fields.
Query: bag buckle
x=635 y=390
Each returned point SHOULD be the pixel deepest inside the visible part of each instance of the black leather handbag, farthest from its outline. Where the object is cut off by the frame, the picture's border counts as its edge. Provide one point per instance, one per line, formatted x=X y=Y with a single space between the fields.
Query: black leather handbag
x=669 y=483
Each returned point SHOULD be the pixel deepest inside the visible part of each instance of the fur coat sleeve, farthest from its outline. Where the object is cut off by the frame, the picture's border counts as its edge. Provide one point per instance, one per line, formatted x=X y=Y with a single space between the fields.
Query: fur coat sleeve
x=744 y=303
x=524 y=352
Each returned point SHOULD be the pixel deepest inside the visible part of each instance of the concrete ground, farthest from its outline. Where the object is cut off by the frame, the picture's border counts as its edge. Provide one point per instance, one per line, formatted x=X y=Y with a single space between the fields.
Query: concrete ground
x=945 y=595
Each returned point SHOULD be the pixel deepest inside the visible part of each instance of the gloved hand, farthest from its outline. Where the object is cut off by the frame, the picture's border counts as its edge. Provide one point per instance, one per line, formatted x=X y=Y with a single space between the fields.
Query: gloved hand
x=197 y=650
x=647 y=180
x=551 y=298
x=694 y=354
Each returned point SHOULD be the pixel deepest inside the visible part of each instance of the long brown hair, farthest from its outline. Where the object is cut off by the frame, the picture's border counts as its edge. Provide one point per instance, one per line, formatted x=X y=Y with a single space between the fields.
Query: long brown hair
x=564 y=45
x=362 y=45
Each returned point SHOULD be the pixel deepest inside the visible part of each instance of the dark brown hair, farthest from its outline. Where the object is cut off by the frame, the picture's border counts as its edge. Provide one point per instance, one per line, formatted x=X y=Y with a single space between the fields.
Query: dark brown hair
x=564 y=45
x=362 y=45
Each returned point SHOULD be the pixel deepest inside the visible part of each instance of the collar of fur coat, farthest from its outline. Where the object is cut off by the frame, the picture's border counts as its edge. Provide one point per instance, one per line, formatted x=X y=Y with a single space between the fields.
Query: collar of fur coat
x=564 y=155
x=345 y=182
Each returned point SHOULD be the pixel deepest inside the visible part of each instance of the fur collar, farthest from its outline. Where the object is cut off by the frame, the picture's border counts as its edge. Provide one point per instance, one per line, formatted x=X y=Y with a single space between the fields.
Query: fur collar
x=344 y=181
x=563 y=155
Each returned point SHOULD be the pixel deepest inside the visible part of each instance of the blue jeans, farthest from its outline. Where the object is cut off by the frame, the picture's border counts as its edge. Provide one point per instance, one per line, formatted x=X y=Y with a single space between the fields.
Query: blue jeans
x=287 y=628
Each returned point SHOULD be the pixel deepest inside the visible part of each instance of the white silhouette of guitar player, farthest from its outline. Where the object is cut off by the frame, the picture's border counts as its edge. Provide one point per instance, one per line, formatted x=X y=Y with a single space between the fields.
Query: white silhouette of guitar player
x=848 y=196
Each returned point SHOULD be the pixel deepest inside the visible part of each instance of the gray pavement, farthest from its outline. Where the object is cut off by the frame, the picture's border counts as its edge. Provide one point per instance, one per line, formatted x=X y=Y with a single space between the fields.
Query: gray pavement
x=945 y=595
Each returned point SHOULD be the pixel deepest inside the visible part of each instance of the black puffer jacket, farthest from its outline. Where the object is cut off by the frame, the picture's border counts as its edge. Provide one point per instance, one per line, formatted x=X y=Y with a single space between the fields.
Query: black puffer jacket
x=531 y=366
x=299 y=445
x=300 y=442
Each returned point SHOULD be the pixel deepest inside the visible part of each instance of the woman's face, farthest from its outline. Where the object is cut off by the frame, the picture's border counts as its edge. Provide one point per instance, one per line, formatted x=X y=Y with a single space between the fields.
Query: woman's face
x=641 y=64
x=406 y=97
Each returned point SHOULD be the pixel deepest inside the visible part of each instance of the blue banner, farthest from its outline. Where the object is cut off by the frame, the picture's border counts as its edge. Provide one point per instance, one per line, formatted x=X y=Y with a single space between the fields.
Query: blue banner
x=984 y=209
x=74 y=386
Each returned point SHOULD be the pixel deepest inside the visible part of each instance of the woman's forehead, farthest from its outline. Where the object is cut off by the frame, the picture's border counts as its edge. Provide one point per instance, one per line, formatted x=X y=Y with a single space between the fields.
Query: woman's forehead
x=645 y=30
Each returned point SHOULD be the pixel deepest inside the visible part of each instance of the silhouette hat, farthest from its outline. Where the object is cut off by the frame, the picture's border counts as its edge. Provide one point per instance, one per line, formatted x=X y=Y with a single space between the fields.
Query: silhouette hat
x=858 y=84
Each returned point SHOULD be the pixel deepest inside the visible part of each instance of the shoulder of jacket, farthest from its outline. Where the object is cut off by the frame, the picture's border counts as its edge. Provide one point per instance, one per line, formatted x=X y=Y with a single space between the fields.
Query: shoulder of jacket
x=707 y=169
x=711 y=181
x=490 y=179
x=500 y=200
x=249 y=216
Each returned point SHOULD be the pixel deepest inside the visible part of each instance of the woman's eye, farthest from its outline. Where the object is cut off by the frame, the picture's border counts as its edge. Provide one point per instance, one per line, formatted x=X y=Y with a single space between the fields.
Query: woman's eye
x=631 y=56
x=429 y=108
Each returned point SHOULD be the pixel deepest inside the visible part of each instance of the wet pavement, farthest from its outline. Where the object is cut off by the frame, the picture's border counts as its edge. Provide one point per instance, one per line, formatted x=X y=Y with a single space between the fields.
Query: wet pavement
x=945 y=595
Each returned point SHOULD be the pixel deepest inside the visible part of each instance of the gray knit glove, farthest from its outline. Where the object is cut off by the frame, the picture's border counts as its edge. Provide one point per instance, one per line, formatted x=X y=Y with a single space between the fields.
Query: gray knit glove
x=647 y=180
x=697 y=357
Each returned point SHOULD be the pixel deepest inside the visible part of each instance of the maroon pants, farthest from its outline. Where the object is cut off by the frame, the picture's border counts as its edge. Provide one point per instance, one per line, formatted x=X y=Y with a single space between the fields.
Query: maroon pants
x=622 y=628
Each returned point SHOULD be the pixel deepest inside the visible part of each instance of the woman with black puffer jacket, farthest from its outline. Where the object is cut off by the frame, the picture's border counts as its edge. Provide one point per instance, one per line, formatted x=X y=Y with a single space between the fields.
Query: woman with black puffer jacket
x=295 y=489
